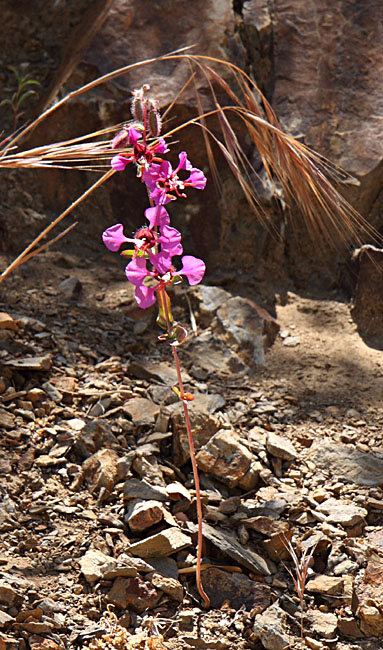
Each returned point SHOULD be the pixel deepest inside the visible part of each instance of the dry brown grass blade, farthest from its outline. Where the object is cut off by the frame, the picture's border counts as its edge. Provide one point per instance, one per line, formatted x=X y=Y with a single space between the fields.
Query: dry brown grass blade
x=303 y=174
x=209 y=151
x=89 y=86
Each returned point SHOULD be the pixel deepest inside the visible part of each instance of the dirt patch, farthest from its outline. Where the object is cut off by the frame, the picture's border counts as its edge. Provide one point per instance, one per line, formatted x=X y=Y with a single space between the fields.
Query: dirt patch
x=89 y=436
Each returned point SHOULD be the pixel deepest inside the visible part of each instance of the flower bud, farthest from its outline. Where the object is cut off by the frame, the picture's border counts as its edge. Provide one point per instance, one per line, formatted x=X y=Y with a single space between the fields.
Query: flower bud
x=139 y=103
x=155 y=123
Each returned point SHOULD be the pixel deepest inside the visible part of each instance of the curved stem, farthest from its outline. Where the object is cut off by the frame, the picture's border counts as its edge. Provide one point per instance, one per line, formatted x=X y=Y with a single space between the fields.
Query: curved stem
x=200 y=588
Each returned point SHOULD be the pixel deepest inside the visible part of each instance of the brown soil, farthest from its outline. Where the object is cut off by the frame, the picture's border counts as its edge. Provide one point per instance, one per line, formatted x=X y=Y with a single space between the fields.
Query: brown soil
x=325 y=383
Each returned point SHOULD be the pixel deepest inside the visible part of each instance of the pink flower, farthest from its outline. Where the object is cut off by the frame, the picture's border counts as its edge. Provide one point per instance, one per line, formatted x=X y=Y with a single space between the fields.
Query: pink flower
x=142 y=154
x=145 y=238
x=162 y=180
x=148 y=282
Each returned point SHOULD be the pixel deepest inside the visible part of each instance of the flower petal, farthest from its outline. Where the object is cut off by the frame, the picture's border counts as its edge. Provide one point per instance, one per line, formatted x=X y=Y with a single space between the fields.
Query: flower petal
x=161 y=146
x=145 y=296
x=193 y=268
x=134 y=135
x=184 y=162
x=196 y=179
x=119 y=162
x=114 y=237
x=170 y=240
x=136 y=271
x=161 y=262
x=157 y=216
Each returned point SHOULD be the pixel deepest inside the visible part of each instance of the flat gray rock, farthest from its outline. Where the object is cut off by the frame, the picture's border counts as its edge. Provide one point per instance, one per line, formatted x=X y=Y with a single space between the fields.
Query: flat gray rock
x=229 y=545
x=280 y=447
x=345 y=462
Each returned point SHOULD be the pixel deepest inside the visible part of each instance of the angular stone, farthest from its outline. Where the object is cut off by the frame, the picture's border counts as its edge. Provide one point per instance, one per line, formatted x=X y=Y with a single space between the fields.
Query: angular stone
x=240 y=323
x=169 y=586
x=212 y=356
x=280 y=447
x=231 y=547
x=344 y=461
x=348 y=626
x=37 y=642
x=8 y=594
x=36 y=614
x=5 y=619
x=92 y=437
x=52 y=392
x=166 y=566
x=325 y=585
x=251 y=478
x=71 y=287
x=238 y=589
x=176 y=491
x=143 y=514
x=324 y=623
x=164 y=543
x=100 y=469
x=270 y=628
x=367 y=308
x=369 y=594
x=267 y=526
x=225 y=457
x=95 y=565
x=30 y=363
x=204 y=425
x=7 y=322
x=36 y=627
x=134 y=594
x=341 y=512
x=275 y=547
x=7 y=419
x=141 y=410
x=155 y=371
x=134 y=488
x=209 y=299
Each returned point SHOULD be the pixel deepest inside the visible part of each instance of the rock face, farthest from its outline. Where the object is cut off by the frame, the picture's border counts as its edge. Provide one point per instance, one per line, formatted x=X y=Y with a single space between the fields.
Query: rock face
x=320 y=73
x=367 y=310
x=344 y=461
x=329 y=97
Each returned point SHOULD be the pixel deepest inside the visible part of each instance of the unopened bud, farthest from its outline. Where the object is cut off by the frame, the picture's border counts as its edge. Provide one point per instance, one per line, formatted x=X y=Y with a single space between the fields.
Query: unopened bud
x=155 y=122
x=138 y=109
x=139 y=103
x=121 y=140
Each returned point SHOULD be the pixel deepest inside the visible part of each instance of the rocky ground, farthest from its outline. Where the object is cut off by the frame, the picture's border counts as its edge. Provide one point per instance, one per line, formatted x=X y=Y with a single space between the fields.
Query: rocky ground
x=97 y=519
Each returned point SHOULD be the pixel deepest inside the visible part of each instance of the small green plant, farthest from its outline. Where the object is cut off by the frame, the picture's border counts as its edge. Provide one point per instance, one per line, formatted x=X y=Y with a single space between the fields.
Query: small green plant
x=20 y=95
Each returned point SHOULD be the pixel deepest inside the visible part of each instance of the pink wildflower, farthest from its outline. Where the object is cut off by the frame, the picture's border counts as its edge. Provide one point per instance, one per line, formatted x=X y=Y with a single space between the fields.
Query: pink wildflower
x=142 y=154
x=162 y=274
x=163 y=181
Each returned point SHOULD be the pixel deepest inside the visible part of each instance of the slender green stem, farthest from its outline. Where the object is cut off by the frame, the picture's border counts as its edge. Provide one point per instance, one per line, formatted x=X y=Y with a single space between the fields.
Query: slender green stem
x=200 y=588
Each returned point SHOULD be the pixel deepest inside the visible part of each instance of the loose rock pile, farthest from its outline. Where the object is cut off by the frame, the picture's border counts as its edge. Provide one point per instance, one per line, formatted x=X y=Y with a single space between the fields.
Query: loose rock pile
x=97 y=498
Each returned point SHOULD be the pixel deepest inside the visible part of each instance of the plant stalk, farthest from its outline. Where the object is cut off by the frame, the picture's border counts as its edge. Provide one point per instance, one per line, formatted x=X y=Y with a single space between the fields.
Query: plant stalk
x=200 y=588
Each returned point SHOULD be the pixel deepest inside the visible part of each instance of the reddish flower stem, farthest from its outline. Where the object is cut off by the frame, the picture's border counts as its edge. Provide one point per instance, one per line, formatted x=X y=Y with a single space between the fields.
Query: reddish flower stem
x=200 y=588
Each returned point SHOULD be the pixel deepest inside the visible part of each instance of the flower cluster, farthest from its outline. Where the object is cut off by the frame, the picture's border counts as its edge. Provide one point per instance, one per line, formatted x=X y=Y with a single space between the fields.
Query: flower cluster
x=154 y=245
